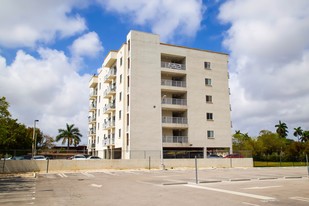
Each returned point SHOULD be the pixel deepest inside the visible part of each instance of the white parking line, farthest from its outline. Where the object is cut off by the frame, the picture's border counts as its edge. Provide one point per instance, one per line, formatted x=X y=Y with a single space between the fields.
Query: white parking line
x=260 y=197
x=62 y=175
x=87 y=174
x=261 y=188
x=247 y=203
x=304 y=199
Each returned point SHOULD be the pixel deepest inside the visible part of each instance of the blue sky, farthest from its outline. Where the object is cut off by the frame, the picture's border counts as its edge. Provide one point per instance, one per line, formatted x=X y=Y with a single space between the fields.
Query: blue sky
x=49 y=50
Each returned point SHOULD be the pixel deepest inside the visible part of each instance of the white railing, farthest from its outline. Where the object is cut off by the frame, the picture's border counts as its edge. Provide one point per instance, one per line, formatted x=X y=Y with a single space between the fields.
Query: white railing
x=175 y=139
x=174 y=120
x=111 y=72
x=109 y=106
x=173 y=83
x=93 y=106
x=92 y=118
x=109 y=89
x=108 y=124
x=93 y=93
x=173 y=65
x=174 y=101
x=92 y=131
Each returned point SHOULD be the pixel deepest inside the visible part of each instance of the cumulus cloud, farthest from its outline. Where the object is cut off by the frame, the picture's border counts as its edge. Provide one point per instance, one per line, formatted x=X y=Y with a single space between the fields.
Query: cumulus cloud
x=47 y=88
x=26 y=23
x=169 y=18
x=88 y=45
x=269 y=62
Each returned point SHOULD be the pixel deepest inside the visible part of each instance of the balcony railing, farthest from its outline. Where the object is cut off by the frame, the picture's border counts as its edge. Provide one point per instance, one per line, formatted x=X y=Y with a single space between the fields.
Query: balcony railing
x=111 y=72
x=173 y=65
x=108 y=107
x=174 y=101
x=93 y=93
x=108 y=124
x=109 y=90
x=92 y=131
x=111 y=138
x=92 y=118
x=174 y=120
x=93 y=106
x=173 y=83
x=175 y=139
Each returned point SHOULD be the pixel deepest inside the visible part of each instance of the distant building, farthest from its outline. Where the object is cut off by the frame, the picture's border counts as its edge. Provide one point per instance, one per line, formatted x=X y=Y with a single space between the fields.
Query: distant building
x=150 y=95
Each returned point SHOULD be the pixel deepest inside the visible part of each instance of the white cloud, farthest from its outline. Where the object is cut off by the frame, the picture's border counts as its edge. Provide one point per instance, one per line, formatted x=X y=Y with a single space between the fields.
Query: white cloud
x=170 y=18
x=88 y=45
x=26 y=23
x=269 y=62
x=47 y=88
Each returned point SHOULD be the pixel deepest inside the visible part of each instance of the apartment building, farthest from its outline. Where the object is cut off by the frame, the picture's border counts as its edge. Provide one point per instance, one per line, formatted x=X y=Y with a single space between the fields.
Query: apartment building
x=156 y=99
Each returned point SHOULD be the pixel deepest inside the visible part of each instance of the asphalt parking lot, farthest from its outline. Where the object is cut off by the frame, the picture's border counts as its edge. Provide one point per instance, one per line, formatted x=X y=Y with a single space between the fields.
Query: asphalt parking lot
x=230 y=186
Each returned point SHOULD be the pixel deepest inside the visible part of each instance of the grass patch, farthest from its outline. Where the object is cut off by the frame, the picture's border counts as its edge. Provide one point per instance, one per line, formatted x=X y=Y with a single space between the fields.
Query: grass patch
x=278 y=164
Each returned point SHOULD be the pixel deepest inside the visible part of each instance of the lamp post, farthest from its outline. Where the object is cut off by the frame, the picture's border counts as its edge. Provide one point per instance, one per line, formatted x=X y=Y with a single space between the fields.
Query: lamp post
x=161 y=156
x=34 y=138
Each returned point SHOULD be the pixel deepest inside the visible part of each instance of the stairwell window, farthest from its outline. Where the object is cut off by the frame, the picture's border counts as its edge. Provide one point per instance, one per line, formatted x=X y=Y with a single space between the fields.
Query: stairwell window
x=208 y=82
x=207 y=65
x=208 y=99
x=209 y=116
x=210 y=134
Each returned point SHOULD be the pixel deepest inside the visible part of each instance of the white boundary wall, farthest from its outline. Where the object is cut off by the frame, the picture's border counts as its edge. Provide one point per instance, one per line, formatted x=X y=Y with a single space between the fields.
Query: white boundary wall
x=45 y=166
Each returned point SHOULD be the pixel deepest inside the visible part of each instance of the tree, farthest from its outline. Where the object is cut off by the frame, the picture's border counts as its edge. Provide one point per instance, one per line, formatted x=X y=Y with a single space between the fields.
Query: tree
x=305 y=136
x=70 y=134
x=282 y=129
x=298 y=132
x=47 y=142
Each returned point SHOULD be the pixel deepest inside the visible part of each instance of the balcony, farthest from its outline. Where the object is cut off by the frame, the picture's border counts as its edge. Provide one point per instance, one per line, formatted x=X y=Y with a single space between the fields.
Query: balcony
x=111 y=139
x=92 y=119
x=92 y=131
x=108 y=124
x=110 y=91
x=110 y=75
x=173 y=83
x=93 y=81
x=109 y=108
x=171 y=65
x=174 y=122
x=92 y=107
x=93 y=146
x=93 y=95
x=174 y=104
x=175 y=139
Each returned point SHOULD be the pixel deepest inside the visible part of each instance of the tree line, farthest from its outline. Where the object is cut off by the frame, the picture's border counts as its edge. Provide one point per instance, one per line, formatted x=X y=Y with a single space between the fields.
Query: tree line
x=17 y=136
x=272 y=146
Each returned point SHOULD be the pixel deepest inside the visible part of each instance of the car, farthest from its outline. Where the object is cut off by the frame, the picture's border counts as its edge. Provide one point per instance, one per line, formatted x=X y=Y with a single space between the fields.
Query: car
x=214 y=156
x=79 y=157
x=39 y=157
x=22 y=157
x=93 y=158
x=234 y=156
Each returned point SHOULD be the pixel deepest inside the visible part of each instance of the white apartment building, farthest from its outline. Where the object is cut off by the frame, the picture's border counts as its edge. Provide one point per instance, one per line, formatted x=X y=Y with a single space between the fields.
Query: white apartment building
x=152 y=98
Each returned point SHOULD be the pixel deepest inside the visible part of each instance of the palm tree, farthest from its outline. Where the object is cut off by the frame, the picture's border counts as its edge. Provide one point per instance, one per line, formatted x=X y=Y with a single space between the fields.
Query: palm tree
x=305 y=136
x=70 y=134
x=298 y=132
x=282 y=129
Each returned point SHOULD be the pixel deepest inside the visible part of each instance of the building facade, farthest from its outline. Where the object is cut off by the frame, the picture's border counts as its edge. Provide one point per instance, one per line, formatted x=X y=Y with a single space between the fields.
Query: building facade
x=156 y=99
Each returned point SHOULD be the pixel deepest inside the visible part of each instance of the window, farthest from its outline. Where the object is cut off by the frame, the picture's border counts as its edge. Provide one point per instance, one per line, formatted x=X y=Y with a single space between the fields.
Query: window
x=129 y=63
x=120 y=79
x=120 y=96
x=207 y=82
x=128 y=100
x=121 y=61
x=119 y=113
x=98 y=112
x=207 y=65
x=128 y=81
x=210 y=134
x=128 y=120
x=129 y=45
x=208 y=99
x=209 y=116
x=98 y=126
x=119 y=133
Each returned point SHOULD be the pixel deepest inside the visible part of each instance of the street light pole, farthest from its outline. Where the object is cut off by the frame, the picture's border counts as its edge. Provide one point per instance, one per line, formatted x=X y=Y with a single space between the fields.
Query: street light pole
x=34 y=138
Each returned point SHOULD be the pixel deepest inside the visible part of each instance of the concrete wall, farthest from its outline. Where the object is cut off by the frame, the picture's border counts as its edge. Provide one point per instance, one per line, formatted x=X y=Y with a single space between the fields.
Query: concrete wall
x=20 y=166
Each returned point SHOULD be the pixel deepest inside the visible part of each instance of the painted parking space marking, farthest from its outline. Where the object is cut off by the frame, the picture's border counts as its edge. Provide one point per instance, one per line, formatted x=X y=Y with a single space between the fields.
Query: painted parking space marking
x=87 y=174
x=260 y=197
x=304 y=199
x=262 y=188
x=62 y=175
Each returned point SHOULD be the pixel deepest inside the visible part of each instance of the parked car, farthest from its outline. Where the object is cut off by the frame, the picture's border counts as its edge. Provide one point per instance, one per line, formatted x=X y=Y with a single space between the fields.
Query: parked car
x=22 y=157
x=234 y=156
x=213 y=156
x=94 y=158
x=79 y=157
x=39 y=157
